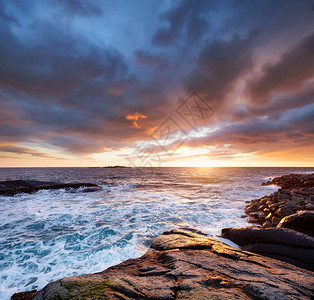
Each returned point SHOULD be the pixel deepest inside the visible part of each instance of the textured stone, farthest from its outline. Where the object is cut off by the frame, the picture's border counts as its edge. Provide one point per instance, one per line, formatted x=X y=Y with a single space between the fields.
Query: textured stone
x=184 y=265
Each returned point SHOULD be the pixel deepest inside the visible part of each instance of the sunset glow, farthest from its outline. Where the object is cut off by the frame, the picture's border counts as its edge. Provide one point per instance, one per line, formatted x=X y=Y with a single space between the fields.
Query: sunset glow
x=81 y=87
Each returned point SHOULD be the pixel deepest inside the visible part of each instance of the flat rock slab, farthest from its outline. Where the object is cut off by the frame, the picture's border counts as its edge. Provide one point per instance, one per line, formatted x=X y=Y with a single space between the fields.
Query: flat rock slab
x=185 y=265
x=13 y=187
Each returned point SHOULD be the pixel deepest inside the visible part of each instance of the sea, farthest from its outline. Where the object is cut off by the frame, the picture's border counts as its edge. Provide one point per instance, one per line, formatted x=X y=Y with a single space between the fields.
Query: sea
x=59 y=233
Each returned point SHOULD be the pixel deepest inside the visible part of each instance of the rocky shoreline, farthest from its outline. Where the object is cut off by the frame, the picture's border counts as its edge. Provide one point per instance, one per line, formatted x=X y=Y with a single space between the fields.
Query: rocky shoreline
x=296 y=194
x=185 y=265
x=13 y=187
x=272 y=262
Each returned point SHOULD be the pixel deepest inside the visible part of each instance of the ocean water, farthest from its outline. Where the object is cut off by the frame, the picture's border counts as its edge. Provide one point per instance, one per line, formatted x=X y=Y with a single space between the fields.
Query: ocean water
x=53 y=234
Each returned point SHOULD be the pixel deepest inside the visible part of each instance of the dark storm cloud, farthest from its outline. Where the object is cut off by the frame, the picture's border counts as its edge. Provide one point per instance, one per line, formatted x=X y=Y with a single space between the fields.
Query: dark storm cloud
x=185 y=21
x=54 y=66
x=288 y=74
x=220 y=64
x=281 y=103
x=67 y=81
x=295 y=127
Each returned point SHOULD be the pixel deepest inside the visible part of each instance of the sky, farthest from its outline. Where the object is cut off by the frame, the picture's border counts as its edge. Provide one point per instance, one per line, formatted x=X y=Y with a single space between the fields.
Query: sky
x=156 y=83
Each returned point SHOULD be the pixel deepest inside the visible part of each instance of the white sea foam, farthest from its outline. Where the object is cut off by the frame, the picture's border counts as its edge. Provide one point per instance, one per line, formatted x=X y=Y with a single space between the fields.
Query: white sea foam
x=53 y=234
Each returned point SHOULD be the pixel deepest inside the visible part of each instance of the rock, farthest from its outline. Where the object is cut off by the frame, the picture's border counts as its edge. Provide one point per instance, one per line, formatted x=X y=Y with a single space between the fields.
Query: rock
x=280 y=243
x=309 y=206
x=261 y=216
x=294 y=196
x=24 y=295
x=275 y=221
x=261 y=208
x=266 y=211
x=293 y=181
x=310 y=199
x=251 y=208
x=291 y=205
x=269 y=203
x=269 y=217
x=276 y=205
x=283 y=197
x=184 y=265
x=267 y=224
x=282 y=212
x=302 y=221
x=13 y=187
x=252 y=220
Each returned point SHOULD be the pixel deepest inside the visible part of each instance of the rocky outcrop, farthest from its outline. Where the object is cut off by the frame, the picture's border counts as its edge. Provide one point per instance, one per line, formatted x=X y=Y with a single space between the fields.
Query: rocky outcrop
x=293 y=181
x=296 y=194
x=13 y=187
x=281 y=243
x=185 y=265
x=302 y=221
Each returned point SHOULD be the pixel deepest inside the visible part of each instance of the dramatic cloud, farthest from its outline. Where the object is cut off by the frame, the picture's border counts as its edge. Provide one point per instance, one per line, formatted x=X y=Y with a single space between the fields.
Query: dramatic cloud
x=288 y=74
x=186 y=22
x=7 y=148
x=84 y=77
x=219 y=65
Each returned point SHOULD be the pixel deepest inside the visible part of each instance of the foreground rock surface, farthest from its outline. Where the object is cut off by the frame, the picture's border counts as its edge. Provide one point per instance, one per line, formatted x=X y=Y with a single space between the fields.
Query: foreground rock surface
x=281 y=243
x=296 y=194
x=185 y=265
x=13 y=187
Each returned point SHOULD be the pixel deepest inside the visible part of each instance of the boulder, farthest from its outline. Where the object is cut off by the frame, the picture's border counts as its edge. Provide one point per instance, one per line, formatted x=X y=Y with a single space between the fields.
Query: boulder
x=302 y=221
x=280 y=243
x=185 y=265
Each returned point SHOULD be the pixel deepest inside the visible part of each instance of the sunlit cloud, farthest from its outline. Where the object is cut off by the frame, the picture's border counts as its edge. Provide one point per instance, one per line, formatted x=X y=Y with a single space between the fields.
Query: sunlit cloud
x=72 y=94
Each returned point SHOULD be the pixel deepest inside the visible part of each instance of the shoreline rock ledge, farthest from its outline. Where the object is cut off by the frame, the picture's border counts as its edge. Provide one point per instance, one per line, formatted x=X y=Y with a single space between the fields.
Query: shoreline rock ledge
x=181 y=264
x=13 y=187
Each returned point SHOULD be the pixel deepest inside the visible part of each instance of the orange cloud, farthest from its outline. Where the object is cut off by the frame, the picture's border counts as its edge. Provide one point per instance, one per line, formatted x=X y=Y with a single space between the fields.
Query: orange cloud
x=136 y=117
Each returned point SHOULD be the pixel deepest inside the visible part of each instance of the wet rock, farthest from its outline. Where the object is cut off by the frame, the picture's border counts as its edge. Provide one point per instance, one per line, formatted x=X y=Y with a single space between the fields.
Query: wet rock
x=253 y=220
x=24 y=295
x=302 y=221
x=13 y=187
x=184 y=265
